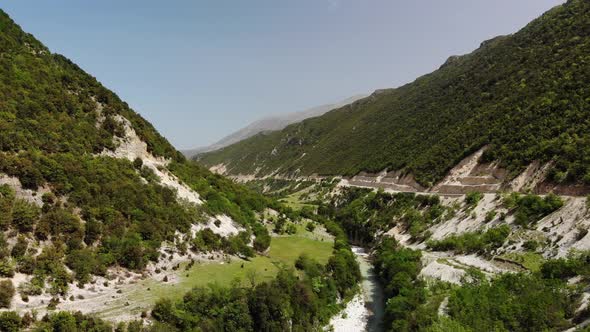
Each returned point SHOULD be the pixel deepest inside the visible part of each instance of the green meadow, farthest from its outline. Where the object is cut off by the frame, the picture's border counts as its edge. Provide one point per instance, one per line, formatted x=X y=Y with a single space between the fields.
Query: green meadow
x=284 y=251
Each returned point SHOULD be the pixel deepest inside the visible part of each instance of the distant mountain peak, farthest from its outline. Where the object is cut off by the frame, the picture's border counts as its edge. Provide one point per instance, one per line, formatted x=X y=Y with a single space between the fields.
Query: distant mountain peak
x=271 y=123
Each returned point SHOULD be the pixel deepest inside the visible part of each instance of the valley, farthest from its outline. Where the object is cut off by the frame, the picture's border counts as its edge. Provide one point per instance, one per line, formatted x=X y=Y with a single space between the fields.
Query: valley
x=456 y=202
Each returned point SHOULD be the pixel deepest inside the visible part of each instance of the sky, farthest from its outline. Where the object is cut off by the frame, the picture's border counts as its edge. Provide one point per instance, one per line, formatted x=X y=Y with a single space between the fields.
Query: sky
x=199 y=70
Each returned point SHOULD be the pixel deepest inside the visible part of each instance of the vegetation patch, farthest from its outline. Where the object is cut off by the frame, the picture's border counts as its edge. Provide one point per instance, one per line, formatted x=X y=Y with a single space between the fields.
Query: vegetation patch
x=472 y=242
x=529 y=209
x=530 y=260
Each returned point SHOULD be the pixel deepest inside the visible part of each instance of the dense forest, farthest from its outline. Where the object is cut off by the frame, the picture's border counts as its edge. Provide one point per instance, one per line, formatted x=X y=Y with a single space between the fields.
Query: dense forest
x=524 y=96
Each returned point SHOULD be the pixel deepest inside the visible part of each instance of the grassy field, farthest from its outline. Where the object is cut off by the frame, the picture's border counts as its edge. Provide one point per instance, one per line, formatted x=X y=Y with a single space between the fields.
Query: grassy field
x=532 y=261
x=284 y=251
x=295 y=200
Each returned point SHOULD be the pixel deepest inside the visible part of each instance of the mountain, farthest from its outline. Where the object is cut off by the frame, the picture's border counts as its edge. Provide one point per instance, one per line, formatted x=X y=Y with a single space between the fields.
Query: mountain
x=271 y=124
x=523 y=98
x=91 y=192
x=102 y=220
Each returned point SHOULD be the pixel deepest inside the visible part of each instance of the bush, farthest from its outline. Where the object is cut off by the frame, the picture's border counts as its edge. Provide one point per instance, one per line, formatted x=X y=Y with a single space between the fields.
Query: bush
x=3 y=246
x=24 y=215
x=473 y=198
x=20 y=248
x=561 y=268
x=6 y=293
x=6 y=268
x=530 y=245
x=138 y=163
x=262 y=240
x=291 y=229
x=10 y=321
x=490 y=216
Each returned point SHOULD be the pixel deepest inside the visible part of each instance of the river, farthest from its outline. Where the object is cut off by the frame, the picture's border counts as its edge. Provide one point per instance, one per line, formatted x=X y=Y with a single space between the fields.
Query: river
x=365 y=311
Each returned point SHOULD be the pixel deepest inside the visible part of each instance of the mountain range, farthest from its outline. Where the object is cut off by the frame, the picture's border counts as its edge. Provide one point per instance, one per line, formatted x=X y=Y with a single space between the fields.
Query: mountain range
x=270 y=123
x=523 y=97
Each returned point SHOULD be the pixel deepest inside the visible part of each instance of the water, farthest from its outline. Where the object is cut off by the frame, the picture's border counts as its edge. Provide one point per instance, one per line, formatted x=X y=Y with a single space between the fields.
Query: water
x=372 y=291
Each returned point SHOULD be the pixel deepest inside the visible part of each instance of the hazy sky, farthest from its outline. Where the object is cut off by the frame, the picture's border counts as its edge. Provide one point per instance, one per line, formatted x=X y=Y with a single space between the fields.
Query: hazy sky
x=199 y=70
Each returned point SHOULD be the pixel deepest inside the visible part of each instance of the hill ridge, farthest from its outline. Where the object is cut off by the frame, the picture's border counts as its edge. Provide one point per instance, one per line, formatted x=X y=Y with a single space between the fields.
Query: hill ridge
x=532 y=81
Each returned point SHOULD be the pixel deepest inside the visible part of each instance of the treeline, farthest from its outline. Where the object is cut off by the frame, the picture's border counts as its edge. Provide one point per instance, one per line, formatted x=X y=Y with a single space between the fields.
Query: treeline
x=542 y=301
x=398 y=269
x=364 y=213
x=523 y=96
x=221 y=195
x=278 y=188
x=66 y=321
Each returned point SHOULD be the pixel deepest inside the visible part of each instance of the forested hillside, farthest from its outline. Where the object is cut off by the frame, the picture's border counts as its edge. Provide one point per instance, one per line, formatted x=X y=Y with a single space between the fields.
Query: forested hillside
x=525 y=96
x=101 y=216
x=58 y=126
x=87 y=185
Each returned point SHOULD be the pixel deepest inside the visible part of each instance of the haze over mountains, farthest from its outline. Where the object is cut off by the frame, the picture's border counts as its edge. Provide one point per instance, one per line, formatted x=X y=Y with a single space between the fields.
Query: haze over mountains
x=271 y=123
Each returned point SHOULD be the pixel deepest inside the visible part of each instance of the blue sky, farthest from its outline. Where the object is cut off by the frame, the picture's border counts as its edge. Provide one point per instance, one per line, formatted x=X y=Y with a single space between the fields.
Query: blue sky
x=199 y=70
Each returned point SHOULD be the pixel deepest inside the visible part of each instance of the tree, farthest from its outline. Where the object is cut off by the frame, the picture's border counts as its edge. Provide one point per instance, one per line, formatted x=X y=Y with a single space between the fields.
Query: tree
x=20 y=248
x=24 y=215
x=138 y=163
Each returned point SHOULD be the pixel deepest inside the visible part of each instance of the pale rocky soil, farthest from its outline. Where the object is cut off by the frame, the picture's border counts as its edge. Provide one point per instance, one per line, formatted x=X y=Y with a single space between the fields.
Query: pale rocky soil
x=105 y=295
x=226 y=227
x=29 y=195
x=353 y=318
x=131 y=147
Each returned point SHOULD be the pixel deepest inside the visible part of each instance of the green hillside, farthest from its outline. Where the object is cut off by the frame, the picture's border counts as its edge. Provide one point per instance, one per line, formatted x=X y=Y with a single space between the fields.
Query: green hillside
x=97 y=211
x=524 y=95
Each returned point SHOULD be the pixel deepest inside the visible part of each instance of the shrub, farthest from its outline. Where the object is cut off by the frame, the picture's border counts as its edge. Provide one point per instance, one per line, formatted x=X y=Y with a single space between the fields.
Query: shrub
x=6 y=293
x=530 y=245
x=560 y=268
x=291 y=229
x=10 y=321
x=24 y=215
x=6 y=268
x=20 y=248
x=490 y=216
x=137 y=163
x=473 y=198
